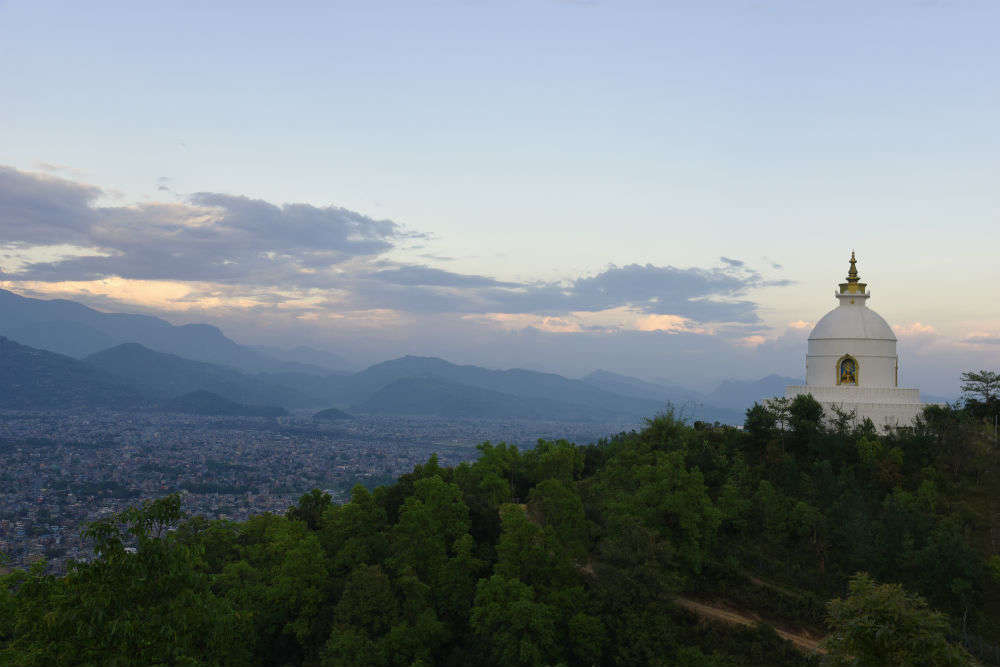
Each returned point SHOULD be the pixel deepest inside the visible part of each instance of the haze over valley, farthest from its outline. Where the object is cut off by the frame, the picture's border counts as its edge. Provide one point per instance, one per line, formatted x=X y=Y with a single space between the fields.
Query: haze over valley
x=87 y=430
x=149 y=362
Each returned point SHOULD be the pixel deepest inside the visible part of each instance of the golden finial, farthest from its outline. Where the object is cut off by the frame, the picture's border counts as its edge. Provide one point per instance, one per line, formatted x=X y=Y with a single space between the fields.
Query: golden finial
x=852 y=275
x=853 y=285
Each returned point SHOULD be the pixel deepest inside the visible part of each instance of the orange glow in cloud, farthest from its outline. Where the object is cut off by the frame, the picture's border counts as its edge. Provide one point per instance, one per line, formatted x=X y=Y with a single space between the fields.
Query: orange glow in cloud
x=169 y=295
x=374 y=318
x=179 y=297
x=612 y=319
x=800 y=324
x=915 y=329
x=672 y=323
x=752 y=341
x=14 y=257
x=165 y=294
x=360 y=319
x=517 y=321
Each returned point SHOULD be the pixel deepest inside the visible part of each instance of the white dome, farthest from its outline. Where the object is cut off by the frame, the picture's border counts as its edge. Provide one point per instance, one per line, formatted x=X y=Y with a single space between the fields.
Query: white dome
x=852 y=364
x=852 y=321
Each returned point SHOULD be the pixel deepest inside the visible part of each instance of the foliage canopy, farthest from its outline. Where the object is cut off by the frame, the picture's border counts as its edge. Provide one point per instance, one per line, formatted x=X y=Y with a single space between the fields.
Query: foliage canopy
x=559 y=555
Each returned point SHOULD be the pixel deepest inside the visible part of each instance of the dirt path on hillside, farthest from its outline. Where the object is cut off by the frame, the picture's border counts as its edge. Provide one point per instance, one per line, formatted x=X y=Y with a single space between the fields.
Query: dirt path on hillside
x=733 y=617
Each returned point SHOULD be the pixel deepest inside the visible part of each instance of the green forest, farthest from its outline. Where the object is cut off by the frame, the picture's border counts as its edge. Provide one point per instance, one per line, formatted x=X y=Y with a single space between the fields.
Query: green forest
x=881 y=548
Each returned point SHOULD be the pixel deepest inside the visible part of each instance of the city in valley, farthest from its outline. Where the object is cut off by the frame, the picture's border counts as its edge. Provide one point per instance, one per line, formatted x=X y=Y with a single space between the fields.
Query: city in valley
x=63 y=470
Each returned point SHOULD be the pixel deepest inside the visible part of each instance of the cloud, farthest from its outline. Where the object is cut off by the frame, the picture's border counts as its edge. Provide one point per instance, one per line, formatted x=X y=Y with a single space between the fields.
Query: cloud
x=695 y=293
x=300 y=226
x=982 y=339
x=754 y=340
x=663 y=323
x=610 y=321
x=37 y=209
x=427 y=276
x=221 y=248
x=211 y=237
x=700 y=295
x=915 y=329
x=522 y=321
x=60 y=168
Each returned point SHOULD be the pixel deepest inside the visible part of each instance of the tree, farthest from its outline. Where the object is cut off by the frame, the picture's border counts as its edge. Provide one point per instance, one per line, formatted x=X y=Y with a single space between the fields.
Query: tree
x=517 y=630
x=448 y=567
x=781 y=408
x=982 y=385
x=310 y=508
x=552 y=460
x=673 y=500
x=530 y=553
x=431 y=521
x=279 y=581
x=881 y=625
x=557 y=504
x=805 y=414
x=152 y=606
x=352 y=533
x=761 y=423
x=368 y=603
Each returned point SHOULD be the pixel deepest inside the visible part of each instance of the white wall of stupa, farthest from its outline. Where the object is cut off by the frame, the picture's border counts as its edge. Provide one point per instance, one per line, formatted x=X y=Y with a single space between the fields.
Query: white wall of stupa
x=852 y=363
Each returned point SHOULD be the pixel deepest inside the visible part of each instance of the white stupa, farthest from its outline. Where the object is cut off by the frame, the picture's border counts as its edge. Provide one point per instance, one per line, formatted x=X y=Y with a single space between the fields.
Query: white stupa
x=851 y=362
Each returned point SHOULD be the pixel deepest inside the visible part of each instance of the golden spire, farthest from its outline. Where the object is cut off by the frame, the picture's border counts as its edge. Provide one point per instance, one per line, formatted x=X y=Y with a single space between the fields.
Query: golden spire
x=852 y=275
x=853 y=286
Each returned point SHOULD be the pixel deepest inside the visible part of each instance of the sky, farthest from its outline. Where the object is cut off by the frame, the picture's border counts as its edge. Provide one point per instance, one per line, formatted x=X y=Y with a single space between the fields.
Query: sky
x=665 y=189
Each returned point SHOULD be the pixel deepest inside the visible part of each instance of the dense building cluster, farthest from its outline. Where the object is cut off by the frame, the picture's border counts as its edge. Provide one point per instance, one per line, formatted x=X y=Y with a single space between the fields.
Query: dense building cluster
x=63 y=470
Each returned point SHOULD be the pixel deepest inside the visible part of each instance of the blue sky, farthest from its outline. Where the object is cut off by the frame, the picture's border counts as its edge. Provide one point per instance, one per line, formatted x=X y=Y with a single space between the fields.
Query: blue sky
x=535 y=144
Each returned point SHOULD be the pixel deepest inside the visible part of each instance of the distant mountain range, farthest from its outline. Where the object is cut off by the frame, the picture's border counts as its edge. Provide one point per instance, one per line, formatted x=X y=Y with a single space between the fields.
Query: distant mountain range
x=134 y=361
x=741 y=394
x=33 y=379
x=515 y=382
x=132 y=376
x=444 y=398
x=75 y=330
x=311 y=357
x=630 y=386
x=158 y=375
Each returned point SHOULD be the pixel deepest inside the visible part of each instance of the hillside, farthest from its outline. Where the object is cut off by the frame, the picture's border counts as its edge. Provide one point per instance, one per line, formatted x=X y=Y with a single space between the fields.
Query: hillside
x=70 y=328
x=165 y=375
x=309 y=357
x=302 y=377
x=631 y=386
x=685 y=401
x=161 y=374
x=63 y=337
x=405 y=386
x=208 y=404
x=514 y=382
x=741 y=394
x=332 y=389
x=33 y=379
x=675 y=545
x=435 y=396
